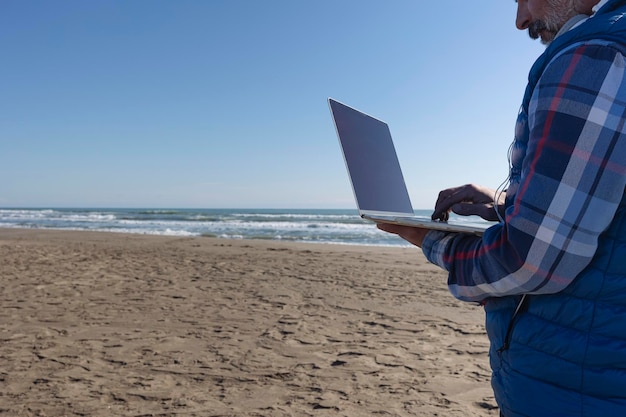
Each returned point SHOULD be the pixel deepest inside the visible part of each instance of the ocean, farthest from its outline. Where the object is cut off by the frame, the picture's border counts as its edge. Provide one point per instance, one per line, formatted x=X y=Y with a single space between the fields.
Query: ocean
x=300 y=225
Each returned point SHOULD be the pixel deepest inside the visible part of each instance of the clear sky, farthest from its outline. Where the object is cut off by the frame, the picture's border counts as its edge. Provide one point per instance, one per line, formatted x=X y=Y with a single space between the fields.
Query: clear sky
x=222 y=103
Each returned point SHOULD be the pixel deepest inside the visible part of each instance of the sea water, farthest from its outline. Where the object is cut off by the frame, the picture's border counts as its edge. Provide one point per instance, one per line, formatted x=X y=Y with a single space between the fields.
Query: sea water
x=300 y=225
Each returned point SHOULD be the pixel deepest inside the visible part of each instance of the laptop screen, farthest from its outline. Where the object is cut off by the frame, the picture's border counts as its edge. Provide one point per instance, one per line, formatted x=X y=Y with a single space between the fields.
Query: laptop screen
x=371 y=160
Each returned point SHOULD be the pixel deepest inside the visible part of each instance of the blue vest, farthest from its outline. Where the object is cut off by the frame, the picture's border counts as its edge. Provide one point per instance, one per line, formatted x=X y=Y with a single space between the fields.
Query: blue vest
x=565 y=354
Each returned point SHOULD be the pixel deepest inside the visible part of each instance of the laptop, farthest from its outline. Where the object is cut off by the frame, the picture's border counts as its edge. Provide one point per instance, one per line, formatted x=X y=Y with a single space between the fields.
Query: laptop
x=374 y=170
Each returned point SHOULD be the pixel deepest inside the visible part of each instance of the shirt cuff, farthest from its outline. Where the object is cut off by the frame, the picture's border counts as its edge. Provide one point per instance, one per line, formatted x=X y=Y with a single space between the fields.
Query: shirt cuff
x=434 y=247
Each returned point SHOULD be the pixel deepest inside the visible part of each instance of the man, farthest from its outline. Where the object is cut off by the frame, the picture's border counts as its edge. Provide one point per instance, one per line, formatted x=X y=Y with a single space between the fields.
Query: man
x=551 y=273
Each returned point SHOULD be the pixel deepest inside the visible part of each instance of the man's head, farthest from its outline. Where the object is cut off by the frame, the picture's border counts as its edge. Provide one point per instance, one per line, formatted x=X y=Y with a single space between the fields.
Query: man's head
x=544 y=18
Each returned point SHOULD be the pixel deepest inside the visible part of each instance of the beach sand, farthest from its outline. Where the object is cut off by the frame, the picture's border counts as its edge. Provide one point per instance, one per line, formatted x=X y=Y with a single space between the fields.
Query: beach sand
x=104 y=324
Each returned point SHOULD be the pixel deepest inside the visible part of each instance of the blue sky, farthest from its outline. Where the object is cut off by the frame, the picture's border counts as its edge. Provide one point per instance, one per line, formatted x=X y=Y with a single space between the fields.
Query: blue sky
x=222 y=103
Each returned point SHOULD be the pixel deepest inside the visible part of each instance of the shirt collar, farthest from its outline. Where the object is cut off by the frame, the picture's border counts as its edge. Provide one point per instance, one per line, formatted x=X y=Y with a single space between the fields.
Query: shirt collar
x=599 y=5
x=577 y=20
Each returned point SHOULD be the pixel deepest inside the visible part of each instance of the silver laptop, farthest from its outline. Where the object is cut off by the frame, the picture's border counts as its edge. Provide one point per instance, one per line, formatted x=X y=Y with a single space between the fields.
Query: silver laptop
x=377 y=181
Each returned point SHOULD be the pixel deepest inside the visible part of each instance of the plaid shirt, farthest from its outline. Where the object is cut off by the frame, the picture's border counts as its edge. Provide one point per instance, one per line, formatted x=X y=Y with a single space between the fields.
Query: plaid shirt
x=566 y=192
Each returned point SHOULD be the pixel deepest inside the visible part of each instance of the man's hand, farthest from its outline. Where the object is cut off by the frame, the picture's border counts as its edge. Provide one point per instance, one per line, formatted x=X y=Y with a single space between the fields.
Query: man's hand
x=411 y=234
x=468 y=200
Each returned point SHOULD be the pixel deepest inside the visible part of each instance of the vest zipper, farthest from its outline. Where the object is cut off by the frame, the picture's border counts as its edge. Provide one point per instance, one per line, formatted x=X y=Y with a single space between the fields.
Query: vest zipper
x=521 y=307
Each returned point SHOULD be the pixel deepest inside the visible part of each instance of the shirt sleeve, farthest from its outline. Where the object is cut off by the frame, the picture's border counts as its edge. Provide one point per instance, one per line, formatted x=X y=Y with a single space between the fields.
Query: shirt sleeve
x=572 y=181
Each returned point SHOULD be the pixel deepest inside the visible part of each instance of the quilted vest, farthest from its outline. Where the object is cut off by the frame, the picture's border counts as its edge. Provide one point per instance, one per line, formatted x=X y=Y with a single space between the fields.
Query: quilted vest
x=564 y=354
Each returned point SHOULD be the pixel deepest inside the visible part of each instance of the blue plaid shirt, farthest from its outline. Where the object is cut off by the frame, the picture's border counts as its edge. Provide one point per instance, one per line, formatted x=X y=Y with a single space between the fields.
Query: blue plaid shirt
x=564 y=191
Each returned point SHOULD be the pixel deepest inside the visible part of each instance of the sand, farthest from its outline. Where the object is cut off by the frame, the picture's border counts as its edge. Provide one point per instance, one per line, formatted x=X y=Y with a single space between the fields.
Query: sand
x=105 y=324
